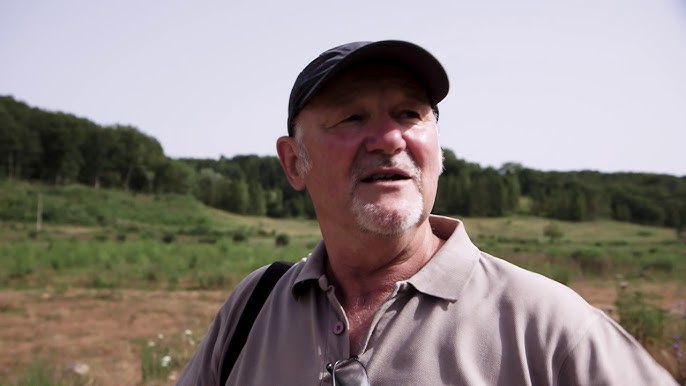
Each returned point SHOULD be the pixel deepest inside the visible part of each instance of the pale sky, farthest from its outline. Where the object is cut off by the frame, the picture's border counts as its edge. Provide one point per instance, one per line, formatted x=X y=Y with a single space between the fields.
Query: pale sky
x=554 y=85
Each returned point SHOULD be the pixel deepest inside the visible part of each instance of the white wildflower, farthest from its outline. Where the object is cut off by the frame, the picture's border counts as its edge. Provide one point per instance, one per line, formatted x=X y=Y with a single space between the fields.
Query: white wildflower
x=166 y=360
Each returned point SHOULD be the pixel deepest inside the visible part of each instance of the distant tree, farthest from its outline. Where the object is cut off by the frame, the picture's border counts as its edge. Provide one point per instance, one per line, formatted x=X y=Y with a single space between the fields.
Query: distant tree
x=454 y=185
x=10 y=144
x=208 y=185
x=510 y=172
x=173 y=176
x=274 y=203
x=634 y=208
x=488 y=196
x=257 y=205
x=137 y=155
x=237 y=198
x=61 y=138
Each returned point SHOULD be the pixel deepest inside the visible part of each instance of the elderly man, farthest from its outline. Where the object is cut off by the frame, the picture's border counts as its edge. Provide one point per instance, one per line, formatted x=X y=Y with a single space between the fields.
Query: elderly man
x=394 y=295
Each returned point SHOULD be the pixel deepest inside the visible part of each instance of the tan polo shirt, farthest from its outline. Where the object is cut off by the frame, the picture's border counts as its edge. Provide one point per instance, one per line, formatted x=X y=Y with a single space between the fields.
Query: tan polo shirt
x=466 y=318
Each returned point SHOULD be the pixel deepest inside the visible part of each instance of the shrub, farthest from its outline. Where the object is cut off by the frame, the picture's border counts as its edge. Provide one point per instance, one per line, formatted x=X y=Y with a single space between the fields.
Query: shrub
x=168 y=238
x=561 y=275
x=264 y=232
x=591 y=261
x=198 y=230
x=101 y=236
x=553 y=232
x=642 y=320
x=207 y=239
x=663 y=264
x=586 y=252
x=239 y=237
x=282 y=240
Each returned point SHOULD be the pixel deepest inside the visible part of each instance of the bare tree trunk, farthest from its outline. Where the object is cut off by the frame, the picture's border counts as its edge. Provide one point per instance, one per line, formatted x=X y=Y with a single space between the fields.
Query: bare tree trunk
x=39 y=213
x=128 y=178
x=10 y=167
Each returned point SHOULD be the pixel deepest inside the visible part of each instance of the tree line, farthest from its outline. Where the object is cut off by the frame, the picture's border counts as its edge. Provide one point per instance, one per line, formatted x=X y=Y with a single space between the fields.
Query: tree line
x=60 y=148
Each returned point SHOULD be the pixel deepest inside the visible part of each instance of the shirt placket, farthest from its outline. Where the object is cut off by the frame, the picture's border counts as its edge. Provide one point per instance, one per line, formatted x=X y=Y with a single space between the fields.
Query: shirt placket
x=336 y=330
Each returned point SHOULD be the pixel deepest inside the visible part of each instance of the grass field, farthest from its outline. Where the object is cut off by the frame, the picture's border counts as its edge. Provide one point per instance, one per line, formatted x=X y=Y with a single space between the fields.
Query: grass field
x=114 y=247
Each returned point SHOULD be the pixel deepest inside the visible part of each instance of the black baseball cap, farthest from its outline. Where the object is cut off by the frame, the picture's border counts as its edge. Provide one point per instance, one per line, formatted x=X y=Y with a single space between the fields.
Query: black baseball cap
x=413 y=58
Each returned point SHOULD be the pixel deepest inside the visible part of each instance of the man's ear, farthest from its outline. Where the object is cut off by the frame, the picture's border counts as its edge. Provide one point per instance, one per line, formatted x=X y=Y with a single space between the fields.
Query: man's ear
x=288 y=156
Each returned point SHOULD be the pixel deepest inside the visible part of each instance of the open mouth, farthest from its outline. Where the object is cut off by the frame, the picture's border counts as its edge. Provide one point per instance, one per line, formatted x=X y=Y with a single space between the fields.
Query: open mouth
x=376 y=177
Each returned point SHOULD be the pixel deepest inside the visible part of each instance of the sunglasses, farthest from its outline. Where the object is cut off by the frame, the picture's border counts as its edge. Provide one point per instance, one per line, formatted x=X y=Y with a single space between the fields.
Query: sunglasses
x=348 y=372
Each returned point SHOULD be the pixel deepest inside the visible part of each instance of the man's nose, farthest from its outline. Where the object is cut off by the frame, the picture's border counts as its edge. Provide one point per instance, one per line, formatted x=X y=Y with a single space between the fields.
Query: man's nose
x=385 y=135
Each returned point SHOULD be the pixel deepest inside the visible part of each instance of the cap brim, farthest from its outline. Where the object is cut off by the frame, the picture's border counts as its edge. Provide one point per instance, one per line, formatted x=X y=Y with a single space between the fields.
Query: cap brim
x=413 y=58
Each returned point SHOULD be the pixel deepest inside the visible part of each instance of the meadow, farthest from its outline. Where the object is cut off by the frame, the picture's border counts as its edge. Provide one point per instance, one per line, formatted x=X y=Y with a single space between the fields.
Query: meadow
x=100 y=254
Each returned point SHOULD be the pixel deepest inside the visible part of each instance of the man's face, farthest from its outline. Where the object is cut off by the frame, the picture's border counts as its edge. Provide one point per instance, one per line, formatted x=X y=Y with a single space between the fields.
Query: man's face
x=371 y=140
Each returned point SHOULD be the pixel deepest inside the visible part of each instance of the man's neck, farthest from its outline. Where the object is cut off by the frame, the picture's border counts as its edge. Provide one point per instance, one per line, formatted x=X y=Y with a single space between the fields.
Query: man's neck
x=365 y=267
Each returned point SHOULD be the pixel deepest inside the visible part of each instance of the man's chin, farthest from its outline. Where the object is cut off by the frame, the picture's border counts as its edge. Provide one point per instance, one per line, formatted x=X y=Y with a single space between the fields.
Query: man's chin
x=384 y=220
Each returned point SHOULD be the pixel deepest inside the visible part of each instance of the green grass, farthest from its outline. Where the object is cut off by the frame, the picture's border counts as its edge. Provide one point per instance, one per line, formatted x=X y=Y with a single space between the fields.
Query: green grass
x=114 y=239
x=596 y=249
x=139 y=263
x=81 y=205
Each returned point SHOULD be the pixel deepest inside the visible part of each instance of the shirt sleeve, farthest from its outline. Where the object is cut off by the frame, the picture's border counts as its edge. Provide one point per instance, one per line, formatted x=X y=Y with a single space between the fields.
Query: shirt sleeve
x=203 y=369
x=607 y=355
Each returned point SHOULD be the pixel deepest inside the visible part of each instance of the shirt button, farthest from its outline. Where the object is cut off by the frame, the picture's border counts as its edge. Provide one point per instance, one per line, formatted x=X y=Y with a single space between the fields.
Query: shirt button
x=338 y=328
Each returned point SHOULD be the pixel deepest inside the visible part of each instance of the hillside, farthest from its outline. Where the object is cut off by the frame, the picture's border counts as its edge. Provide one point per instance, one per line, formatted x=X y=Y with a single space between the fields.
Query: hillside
x=62 y=149
x=110 y=238
x=174 y=240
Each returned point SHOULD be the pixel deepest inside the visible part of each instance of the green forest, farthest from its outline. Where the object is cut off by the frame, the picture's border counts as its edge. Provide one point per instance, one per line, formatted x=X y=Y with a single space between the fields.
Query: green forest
x=60 y=148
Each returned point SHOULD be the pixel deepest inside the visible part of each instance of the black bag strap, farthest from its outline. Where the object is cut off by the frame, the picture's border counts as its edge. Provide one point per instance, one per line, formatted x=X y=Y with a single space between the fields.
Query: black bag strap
x=257 y=298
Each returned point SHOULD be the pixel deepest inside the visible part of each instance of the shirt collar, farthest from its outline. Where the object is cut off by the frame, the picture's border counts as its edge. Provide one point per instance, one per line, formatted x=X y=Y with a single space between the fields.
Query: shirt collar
x=446 y=274
x=313 y=269
x=443 y=276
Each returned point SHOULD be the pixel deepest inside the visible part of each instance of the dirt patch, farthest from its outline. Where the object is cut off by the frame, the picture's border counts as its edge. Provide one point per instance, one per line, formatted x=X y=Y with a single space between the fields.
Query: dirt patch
x=669 y=296
x=103 y=329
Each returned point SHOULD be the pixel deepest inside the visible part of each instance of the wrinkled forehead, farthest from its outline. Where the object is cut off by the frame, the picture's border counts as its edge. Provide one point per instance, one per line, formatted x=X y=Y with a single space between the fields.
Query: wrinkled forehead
x=346 y=86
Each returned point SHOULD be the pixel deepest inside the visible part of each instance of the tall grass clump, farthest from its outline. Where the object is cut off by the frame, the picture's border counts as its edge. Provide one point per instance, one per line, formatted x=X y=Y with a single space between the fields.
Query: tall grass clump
x=641 y=319
x=591 y=261
x=43 y=373
x=553 y=232
x=163 y=357
x=658 y=264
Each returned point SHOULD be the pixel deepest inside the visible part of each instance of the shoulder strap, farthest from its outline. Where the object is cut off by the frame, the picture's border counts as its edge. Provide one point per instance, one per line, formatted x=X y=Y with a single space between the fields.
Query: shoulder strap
x=257 y=298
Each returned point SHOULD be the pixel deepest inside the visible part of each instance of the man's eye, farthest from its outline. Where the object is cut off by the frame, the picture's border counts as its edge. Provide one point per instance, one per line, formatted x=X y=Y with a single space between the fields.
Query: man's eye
x=352 y=118
x=409 y=114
